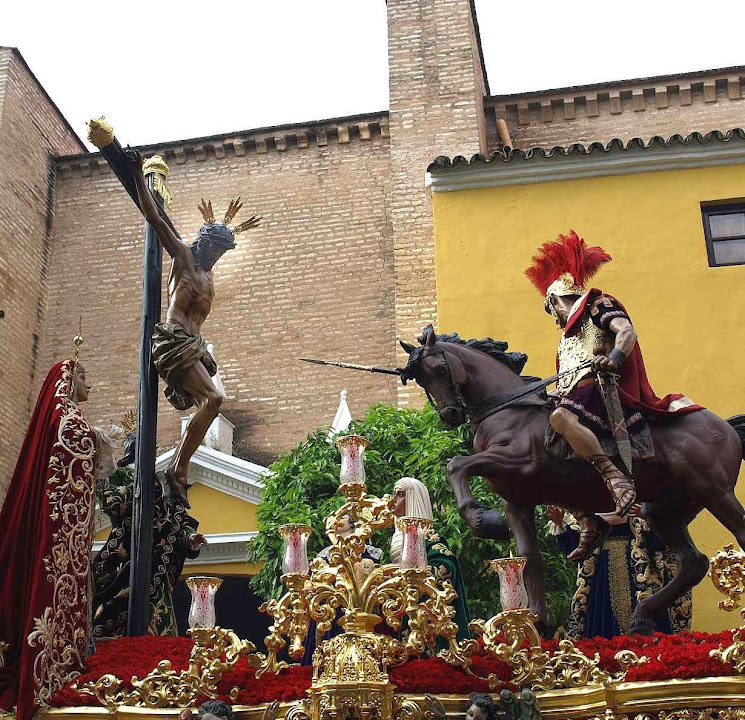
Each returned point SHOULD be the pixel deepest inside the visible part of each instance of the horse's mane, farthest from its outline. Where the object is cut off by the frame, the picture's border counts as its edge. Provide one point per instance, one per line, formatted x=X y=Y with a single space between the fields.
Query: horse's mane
x=496 y=349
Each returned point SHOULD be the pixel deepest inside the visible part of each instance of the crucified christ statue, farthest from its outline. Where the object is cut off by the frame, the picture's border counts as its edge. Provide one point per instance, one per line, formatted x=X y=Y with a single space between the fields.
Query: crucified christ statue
x=179 y=351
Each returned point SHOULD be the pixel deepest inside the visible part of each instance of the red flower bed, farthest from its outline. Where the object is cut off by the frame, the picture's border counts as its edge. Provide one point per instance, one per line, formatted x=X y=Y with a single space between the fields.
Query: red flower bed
x=670 y=656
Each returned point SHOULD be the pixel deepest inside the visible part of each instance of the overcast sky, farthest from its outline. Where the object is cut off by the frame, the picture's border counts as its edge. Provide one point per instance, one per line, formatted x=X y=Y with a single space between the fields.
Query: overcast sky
x=160 y=70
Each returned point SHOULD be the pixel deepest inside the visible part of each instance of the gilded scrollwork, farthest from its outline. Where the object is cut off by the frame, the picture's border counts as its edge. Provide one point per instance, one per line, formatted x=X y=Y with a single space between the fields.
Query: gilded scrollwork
x=506 y=635
x=727 y=713
x=627 y=659
x=62 y=640
x=350 y=670
x=406 y=709
x=727 y=572
x=215 y=651
x=299 y=711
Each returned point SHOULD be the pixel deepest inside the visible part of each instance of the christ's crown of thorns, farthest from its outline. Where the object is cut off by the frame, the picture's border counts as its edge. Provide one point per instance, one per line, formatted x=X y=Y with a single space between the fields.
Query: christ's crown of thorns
x=235 y=205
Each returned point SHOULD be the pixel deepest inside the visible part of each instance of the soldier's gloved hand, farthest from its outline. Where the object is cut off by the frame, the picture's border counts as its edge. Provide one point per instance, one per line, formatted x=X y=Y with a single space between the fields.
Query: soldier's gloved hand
x=610 y=363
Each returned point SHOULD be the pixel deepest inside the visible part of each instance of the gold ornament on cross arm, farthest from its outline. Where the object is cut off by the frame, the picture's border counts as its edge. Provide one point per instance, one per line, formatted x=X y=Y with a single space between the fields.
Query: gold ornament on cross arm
x=157 y=167
x=100 y=132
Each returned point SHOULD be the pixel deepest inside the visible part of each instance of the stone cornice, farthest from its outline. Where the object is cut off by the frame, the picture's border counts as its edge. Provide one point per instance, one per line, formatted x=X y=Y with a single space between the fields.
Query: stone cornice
x=522 y=167
x=302 y=136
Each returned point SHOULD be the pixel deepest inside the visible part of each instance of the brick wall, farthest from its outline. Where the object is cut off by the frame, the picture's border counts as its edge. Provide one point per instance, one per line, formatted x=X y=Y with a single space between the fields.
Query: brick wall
x=31 y=132
x=315 y=280
x=436 y=91
x=704 y=101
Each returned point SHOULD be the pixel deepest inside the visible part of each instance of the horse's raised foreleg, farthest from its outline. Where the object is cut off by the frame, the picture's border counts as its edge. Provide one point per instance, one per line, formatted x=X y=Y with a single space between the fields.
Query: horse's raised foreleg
x=521 y=519
x=484 y=522
x=669 y=521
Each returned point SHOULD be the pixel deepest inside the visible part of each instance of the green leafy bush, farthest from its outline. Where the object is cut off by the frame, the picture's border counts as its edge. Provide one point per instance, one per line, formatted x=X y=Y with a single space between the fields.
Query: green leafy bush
x=304 y=484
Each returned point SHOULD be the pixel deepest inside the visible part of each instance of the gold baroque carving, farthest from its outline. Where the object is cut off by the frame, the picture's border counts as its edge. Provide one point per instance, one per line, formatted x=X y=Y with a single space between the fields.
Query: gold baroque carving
x=505 y=636
x=727 y=572
x=164 y=687
x=703 y=714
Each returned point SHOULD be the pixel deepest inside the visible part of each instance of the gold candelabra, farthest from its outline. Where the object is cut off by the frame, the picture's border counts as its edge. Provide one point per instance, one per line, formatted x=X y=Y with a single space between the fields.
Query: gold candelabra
x=512 y=637
x=350 y=670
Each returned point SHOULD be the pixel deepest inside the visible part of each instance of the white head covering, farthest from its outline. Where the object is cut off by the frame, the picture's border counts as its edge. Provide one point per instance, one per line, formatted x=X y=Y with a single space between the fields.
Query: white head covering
x=417 y=505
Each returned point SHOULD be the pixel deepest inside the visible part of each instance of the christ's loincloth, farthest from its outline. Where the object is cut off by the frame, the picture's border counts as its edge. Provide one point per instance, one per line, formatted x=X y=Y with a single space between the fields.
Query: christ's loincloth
x=586 y=402
x=174 y=352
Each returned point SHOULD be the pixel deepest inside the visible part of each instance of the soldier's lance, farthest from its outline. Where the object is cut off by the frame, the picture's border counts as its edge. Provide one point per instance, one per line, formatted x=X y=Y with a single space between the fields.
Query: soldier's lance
x=352 y=366
x=487 y=406
x=101 y=134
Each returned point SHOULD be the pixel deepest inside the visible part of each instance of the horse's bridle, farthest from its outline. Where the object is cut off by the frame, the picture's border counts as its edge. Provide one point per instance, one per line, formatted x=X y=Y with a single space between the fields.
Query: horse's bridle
x=460 y=402
x=481 y=410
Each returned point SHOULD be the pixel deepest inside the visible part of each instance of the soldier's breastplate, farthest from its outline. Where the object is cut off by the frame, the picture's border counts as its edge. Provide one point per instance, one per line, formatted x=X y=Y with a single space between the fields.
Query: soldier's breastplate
x=578 y=348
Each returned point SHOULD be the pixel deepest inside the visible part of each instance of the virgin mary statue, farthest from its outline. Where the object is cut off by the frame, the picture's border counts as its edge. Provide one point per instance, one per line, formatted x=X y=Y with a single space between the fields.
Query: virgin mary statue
x=45 y=547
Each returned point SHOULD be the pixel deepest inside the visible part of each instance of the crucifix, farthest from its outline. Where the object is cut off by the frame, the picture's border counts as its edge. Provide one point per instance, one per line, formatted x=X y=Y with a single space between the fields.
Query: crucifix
x=174 y=349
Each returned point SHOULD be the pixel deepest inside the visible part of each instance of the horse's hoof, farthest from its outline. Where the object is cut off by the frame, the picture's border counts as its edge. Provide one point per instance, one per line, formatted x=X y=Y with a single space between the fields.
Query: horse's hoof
x=641 y=626
x=491 y=525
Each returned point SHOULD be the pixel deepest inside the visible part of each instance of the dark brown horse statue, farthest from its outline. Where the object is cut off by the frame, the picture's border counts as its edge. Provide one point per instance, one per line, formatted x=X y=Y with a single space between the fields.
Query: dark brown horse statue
x=695 y=464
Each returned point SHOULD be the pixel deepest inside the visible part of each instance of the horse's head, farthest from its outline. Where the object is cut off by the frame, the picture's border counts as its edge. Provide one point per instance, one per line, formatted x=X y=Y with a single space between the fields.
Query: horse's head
x=440 y=373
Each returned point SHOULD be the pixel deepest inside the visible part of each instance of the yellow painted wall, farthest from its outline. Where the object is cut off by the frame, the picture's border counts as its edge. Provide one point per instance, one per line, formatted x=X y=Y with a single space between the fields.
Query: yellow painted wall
x=690 y=318
x=220 y=513
x=217 y=513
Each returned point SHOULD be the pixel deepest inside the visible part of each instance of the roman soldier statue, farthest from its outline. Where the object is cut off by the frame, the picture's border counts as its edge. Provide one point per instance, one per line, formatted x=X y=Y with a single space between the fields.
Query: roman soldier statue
x=605 y=394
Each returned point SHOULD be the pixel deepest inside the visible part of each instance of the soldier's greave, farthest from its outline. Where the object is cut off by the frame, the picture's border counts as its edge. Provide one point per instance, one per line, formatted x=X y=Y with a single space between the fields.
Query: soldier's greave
x=621 y=488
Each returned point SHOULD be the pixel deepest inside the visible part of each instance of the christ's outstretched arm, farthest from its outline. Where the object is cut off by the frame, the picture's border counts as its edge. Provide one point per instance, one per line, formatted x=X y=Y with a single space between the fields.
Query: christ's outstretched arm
x=176 y=248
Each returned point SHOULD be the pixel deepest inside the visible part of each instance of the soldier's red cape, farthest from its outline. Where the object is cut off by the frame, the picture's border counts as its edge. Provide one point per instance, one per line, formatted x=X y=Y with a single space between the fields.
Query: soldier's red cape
x=634 y=389
x=45 y=545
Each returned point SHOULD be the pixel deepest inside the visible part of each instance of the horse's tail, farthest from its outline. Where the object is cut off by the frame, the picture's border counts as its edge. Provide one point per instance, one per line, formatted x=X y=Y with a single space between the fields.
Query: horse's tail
x=738 y=423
